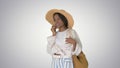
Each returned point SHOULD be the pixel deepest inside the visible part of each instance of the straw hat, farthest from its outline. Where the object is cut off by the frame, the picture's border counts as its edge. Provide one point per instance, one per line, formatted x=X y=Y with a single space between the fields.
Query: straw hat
x=49 y=17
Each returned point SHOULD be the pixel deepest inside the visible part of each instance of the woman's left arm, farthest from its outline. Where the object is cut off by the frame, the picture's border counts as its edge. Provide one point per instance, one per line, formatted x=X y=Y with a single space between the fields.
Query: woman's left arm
x=77 y=46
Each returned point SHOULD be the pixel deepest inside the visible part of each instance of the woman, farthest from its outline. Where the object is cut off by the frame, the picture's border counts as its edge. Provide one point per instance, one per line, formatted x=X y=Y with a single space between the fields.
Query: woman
x=65 y=42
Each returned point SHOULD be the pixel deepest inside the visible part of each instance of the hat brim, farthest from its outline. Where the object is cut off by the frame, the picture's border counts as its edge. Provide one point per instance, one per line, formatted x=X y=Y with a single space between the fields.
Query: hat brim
x=49 y=17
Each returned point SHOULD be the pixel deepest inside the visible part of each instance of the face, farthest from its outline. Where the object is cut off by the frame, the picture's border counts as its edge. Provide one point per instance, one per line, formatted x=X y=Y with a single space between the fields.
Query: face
x=58 y=22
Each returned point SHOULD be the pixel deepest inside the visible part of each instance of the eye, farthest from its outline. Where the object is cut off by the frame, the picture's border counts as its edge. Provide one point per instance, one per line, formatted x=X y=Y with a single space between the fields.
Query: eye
x=58 y=19
x=55 y=19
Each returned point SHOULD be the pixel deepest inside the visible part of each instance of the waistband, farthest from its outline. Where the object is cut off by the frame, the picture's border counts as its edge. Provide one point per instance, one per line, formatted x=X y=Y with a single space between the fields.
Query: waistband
x=59 y=56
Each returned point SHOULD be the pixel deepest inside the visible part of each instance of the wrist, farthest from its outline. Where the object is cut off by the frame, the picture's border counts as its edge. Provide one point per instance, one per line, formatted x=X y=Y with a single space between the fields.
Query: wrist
x=74 y=46
x=54 y=34
x=74 y=43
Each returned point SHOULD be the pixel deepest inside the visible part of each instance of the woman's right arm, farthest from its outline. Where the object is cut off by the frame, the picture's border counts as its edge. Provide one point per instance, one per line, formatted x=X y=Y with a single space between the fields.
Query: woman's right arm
x=50 y=44
x=51 y=40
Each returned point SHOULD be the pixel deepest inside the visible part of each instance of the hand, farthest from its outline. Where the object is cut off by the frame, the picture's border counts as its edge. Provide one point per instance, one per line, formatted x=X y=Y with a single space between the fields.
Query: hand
x=72 y=41
x=53 y=29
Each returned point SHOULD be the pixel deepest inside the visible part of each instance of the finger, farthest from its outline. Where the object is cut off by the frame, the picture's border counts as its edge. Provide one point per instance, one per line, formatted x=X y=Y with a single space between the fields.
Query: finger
x=66 y=38
x=69 y=36
x=53 y=26
x=66 y=42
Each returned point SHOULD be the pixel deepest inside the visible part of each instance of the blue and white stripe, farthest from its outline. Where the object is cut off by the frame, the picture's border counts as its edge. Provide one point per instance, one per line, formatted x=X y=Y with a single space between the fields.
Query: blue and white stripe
x=62 y=63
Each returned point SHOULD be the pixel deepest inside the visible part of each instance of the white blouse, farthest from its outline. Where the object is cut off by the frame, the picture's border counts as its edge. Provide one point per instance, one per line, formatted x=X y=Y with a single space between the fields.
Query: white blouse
x=56 y=44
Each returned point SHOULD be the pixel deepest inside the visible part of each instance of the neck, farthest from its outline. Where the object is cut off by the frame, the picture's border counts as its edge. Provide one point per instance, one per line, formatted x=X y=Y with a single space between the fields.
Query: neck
x=62 y=29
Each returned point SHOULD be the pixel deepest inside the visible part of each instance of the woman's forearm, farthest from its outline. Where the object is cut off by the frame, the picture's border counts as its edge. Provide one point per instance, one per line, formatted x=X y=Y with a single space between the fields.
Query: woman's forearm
x=74 y=46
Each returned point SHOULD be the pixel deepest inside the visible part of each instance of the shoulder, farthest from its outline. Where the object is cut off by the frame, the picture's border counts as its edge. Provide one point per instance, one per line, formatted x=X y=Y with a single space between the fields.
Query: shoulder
x=73 y=30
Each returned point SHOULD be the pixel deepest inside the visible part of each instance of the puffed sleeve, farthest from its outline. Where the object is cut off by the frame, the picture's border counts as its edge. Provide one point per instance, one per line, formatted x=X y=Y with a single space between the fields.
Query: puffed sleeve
x=50 y=44
x=78 y=48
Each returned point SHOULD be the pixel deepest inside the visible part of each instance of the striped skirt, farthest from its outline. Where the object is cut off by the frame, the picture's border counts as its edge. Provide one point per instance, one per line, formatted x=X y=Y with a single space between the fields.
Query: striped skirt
x=62 y=63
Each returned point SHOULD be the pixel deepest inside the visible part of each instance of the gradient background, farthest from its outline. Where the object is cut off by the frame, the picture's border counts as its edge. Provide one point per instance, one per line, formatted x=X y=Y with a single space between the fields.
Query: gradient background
x=23 y=31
